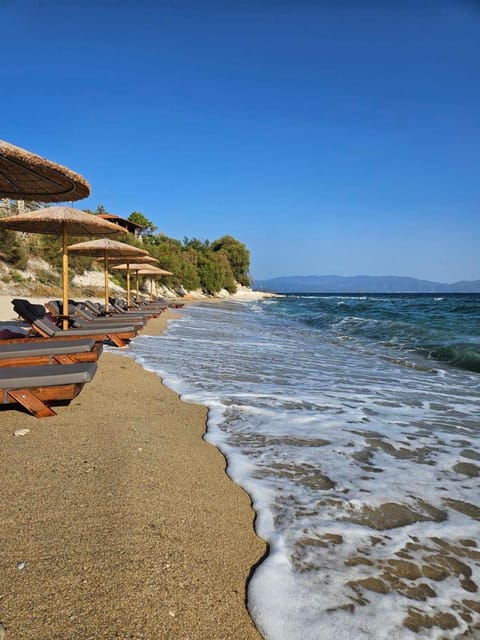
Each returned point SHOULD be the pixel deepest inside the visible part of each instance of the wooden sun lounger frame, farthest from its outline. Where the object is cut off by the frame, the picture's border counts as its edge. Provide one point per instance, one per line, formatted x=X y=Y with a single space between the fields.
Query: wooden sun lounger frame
x=73 y=357
x=53 y=339
x=54 y=358
x=34 y=398
x=120 y=340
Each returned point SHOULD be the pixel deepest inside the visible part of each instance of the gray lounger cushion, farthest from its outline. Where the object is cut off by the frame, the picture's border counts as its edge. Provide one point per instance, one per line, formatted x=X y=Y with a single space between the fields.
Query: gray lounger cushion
x=49 y=375
x=109 y=321
x=52 y=330
x=26 y=349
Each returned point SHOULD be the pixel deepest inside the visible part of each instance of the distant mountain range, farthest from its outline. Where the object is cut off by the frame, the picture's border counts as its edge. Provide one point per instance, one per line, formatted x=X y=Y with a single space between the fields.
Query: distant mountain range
x=363 y=284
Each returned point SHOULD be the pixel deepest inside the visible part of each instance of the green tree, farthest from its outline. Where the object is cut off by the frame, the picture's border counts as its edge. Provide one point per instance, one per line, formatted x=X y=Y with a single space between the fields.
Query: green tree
x=238 y=257
x=228 y=279
x=215 y=272
x=196 y=244
x=139 y=218
x=99 y=210
x=188 y=275
x=169 y=253
x=210 y=273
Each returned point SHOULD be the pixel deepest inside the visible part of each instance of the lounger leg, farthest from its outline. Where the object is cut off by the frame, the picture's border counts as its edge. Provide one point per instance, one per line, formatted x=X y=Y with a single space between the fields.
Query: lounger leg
x=116 y=340
x=31 y=403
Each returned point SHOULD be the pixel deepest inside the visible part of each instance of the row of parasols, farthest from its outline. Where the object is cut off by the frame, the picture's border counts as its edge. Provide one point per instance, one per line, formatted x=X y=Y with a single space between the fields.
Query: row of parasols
x=27 y=176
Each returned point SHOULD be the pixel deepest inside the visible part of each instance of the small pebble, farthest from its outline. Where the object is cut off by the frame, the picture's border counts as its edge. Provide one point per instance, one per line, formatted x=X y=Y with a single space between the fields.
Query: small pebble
x=21 y=432
x=20 y=565
x=171 y=613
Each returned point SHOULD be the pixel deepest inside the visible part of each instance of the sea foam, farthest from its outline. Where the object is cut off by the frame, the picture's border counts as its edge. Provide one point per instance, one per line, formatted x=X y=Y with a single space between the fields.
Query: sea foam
x=364 y=472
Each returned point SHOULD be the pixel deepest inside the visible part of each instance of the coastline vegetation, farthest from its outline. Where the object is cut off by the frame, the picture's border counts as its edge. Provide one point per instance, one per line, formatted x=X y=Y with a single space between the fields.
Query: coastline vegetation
x=196 y=264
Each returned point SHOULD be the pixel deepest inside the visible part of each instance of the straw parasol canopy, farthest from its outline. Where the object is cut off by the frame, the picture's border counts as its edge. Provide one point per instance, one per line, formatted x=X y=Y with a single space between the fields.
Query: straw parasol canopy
x=138 y=266
x=54 y=219
x=144 y=270
x=26 y=176
x=110 y=249
x=62 y=221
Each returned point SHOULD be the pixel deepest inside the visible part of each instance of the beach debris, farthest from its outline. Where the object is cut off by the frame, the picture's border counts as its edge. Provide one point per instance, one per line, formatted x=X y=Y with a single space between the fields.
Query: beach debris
x=20 y=565
x=3 y=631
x=21 y=432
x=172 y=613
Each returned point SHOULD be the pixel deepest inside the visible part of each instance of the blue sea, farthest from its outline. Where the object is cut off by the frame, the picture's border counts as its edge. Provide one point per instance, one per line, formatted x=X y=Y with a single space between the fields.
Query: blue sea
x=354 y=424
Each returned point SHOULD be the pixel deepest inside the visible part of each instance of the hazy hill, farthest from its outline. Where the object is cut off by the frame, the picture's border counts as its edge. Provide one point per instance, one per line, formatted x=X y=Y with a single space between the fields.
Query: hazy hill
x=363 y=284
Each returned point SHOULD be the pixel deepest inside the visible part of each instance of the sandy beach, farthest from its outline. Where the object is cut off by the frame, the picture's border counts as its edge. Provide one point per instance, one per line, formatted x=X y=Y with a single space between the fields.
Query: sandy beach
x=118 y=520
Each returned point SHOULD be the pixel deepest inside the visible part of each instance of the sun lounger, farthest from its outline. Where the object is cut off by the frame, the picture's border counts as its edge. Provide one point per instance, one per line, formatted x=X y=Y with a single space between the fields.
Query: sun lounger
x=42 y=353
x=112 y=316
x=113 y=312
x=120 y=307
x=158 y=303
x=80 y=318
x=34 y=387
x=159 y=300
x=42 y=326
x=144 y=306
x=98 y=313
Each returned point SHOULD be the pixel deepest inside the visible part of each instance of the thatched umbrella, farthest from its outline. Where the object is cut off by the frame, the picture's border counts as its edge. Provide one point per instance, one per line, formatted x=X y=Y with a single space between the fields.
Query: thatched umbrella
x=152 y=271
x=139 y=263
x=61 y=221
x=26 y=176
x=142 y=270
x=127 y=267
x=105 y=248
x=137 y=266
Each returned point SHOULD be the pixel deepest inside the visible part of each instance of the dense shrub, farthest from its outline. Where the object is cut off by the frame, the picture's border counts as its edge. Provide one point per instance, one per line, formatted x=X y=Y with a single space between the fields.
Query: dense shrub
x=12 y=249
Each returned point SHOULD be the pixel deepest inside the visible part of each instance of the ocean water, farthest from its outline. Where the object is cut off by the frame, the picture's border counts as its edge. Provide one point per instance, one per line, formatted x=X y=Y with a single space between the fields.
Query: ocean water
x=354 y=424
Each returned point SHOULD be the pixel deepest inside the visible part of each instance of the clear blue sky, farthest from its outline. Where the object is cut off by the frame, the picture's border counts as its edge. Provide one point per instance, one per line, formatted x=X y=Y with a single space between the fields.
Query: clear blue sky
x=332 y=137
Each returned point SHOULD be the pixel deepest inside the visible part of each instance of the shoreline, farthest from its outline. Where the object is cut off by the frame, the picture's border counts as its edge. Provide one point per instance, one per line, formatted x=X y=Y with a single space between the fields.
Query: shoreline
x=124 y=517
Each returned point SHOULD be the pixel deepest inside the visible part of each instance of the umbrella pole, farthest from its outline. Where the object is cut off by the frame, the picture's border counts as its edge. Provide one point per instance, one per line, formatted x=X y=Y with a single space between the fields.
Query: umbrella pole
x=105 y=265
x=138 y=290
x=65 y=275
x=128 y=285
x=151 y=289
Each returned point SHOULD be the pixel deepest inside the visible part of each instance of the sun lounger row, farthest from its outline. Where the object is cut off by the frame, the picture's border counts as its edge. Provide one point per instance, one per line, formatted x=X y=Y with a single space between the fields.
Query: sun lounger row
x=80 y=316
x=52 y=365
x=42 y=325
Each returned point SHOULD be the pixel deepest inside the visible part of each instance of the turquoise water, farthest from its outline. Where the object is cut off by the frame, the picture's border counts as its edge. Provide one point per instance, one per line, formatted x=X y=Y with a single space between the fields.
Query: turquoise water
x=446 y=329
x=354 y=424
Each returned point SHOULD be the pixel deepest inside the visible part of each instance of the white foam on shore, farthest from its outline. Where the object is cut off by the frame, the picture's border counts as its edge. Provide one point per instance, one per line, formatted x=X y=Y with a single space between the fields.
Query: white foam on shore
x=321 y=435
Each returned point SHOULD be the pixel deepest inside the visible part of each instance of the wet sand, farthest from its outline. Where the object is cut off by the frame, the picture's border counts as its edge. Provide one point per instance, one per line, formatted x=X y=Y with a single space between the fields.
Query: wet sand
x=119 y=521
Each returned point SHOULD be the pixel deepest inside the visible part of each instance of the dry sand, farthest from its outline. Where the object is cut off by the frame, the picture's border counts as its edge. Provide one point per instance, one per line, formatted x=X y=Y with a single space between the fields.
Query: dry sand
x=119 y=521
